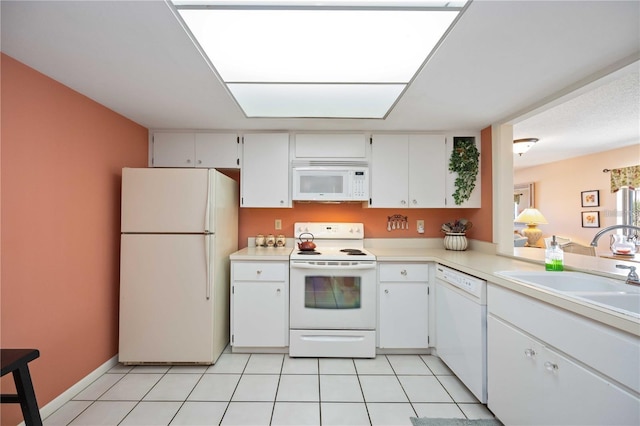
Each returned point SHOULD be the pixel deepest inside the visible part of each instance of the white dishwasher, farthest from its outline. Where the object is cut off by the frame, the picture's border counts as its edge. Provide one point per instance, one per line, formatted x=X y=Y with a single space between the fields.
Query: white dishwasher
x=461 y=327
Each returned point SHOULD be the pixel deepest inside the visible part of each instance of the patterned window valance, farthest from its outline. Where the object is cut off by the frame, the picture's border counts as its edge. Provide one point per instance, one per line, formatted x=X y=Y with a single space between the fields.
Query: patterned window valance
x=626 y=176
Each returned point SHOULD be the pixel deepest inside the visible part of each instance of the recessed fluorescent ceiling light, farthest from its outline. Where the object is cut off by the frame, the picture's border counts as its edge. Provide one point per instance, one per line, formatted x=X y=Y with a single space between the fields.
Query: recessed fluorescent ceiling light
x=317 y=59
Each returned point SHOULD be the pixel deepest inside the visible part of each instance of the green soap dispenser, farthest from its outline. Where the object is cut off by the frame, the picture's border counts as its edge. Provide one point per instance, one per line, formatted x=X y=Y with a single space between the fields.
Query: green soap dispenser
x=554 y=257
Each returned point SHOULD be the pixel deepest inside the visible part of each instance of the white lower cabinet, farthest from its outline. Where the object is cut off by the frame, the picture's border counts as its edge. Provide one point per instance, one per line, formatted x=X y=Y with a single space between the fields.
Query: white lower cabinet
x=259 y=304
x=403 y=305
x=531 y=382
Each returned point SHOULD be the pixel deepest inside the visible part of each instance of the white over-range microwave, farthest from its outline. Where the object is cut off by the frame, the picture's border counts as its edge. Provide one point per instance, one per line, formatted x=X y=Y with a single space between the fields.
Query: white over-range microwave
x=330 y=183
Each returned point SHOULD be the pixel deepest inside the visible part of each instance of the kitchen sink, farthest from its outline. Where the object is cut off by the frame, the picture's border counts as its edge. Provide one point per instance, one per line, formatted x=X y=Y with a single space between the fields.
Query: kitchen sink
x=568 y=281
x=629 y=302
x=607 y=292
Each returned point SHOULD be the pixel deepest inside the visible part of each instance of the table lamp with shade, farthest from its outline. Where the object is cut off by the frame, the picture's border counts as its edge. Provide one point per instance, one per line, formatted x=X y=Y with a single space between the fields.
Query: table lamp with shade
x=531 y=217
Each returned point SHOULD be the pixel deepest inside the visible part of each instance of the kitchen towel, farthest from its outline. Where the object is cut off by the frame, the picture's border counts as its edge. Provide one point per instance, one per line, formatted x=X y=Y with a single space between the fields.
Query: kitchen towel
x=425 y=421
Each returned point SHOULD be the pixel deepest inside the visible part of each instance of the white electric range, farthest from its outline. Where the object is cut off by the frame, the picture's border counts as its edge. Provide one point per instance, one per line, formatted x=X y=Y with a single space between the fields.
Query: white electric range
x=332 y=293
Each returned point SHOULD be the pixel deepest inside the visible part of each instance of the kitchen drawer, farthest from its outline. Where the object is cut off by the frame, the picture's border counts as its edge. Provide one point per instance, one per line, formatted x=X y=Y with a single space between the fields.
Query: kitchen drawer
x=260 y=271
x=404 y=272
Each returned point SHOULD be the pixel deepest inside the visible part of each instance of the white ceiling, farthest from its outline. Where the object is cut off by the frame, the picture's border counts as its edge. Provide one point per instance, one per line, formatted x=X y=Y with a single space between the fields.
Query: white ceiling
x=501 y=63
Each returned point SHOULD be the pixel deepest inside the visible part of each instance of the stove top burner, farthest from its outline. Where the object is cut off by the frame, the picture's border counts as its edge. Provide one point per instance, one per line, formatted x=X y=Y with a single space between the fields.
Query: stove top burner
x=353 y=252
x=309 y=252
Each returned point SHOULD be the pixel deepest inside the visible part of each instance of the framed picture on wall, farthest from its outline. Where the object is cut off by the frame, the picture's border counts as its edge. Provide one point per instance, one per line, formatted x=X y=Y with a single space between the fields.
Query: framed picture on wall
x=591 y=219
x=590 y=198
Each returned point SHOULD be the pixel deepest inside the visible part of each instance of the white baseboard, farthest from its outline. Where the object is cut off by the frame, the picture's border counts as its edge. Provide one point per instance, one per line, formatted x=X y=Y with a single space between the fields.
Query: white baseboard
x=66 y=396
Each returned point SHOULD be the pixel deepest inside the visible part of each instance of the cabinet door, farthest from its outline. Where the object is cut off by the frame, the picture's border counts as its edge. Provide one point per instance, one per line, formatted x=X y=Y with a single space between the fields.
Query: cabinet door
x=265 y=170
x=389 y=165
x=427 y=171
x=330 y=145
x=173 y=149
x=217 y=150
x=260 y=314
x=404 y=315
x=475 y=199
x=531 y=384
x=513 y=384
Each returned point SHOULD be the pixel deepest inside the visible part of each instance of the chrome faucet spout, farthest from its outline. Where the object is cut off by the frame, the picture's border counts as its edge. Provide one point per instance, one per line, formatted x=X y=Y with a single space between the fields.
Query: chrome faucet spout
x=594 y=242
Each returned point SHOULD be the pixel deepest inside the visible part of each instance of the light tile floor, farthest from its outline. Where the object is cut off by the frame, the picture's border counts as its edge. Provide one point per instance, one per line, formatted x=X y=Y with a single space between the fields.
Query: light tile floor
x=259 y=389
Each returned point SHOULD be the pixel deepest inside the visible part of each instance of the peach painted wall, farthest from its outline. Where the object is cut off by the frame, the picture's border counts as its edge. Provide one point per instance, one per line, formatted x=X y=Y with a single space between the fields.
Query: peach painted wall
x=558 y=186
x=255 y=221
x=62 y=155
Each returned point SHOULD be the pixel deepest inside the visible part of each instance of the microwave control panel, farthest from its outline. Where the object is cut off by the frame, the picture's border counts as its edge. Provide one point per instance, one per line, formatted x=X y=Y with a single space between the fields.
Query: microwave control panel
x=360 y=183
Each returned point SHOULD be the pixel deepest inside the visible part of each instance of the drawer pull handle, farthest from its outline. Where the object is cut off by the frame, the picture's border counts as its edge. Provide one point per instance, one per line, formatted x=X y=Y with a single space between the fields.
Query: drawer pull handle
x=529 y=353
x=551 y=366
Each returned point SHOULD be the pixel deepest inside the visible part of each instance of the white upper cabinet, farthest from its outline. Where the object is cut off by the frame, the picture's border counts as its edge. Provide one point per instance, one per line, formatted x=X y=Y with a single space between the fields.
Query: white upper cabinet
x=188 y=149
x=217 y=150
x=173 y=149
x=408 y=170
x=265 y=170
x=330 y=146
x=426 y=169
x=453 y=143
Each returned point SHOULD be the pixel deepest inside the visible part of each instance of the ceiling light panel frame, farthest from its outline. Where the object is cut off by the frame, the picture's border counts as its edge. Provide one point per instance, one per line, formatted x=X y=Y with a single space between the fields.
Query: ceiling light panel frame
x=346 y=45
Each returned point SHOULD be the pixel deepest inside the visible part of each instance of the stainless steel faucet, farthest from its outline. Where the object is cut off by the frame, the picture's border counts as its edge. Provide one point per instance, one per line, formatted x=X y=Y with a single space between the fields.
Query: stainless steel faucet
x=594 y=242
x=632 y=278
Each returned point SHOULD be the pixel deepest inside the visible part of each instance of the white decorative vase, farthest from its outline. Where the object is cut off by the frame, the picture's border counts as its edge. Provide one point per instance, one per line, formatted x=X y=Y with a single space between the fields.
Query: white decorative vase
x=456 y=241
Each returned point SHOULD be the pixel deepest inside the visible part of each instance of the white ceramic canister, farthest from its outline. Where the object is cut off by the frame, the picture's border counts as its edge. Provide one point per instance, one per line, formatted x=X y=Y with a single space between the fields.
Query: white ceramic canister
x=270 y=240
x=259 y=240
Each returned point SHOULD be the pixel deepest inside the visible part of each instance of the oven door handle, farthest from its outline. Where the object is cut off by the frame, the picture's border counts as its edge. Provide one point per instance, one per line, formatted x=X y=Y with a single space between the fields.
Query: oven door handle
x=329 y=266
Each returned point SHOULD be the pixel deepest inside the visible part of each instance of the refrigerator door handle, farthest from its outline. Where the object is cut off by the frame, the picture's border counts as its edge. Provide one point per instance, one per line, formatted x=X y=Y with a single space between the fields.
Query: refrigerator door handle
x=207 y=241
x=207 y=210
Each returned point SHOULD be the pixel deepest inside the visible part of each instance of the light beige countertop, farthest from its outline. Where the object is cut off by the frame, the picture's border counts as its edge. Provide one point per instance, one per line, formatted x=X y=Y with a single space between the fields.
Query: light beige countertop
x=262 y=253
x=483 y=263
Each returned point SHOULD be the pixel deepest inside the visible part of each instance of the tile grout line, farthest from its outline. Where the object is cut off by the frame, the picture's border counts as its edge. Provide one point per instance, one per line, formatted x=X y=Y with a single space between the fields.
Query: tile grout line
x=226 y=409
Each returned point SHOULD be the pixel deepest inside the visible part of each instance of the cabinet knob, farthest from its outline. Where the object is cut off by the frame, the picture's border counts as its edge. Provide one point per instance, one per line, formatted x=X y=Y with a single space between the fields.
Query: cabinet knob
x=188 y=161
x=278 y=291
x=529 y=353
x=199 y=161
x=551 y=366
x=386 y=291
x=415 y=202
x=281 y=201
x=403 y=202
x=403 y=272
x=259 y=271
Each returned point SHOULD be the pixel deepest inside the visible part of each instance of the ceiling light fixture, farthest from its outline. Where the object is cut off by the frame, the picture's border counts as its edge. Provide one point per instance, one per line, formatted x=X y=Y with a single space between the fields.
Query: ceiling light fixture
x=304 y=59
x=520 y=146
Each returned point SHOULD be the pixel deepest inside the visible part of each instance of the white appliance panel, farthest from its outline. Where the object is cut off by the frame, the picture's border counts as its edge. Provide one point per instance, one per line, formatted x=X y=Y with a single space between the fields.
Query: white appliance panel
x=166 y=200
x=166 y=299
x=461 y=330
x=332 y=343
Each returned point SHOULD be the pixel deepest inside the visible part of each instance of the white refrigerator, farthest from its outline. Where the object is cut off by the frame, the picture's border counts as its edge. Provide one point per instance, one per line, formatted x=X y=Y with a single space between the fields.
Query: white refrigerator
x=179 y=227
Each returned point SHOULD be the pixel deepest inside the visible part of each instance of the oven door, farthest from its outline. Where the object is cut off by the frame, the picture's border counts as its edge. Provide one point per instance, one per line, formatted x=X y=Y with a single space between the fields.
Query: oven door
x=333 y=297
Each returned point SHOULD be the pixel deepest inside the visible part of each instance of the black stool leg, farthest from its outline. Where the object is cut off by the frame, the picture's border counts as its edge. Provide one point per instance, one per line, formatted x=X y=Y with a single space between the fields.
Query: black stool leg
x=27 y=396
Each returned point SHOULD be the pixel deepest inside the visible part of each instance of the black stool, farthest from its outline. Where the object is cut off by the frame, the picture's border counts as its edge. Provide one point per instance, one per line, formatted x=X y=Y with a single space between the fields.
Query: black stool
x=15 y=361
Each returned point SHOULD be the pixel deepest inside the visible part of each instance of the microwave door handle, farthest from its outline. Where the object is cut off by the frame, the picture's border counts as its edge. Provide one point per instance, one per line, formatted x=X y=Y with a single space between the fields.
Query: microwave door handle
x=340 y=267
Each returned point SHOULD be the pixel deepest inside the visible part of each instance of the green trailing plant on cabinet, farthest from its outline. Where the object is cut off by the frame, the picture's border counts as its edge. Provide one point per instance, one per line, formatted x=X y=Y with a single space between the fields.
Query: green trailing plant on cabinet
x=465 y=162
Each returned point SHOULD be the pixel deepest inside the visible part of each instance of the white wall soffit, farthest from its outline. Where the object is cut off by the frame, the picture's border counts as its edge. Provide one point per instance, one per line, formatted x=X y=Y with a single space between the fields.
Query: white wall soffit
x=275 y=60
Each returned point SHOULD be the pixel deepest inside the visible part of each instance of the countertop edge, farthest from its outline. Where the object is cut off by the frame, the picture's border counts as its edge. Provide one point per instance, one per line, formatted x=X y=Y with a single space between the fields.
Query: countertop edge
x=482 y=265
x=479 y=264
